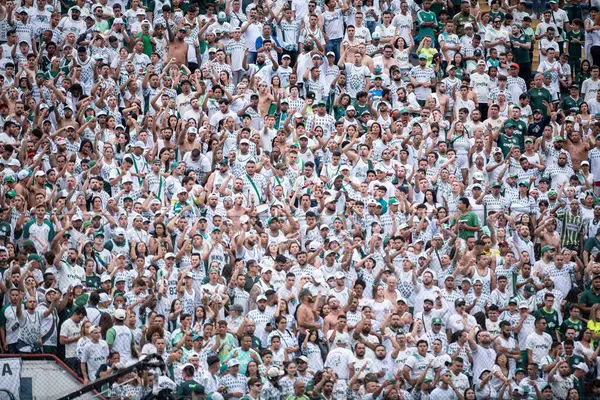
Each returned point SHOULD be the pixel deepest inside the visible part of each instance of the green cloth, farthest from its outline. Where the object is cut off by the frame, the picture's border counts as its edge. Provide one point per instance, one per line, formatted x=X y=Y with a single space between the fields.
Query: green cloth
x=111 y=334
x=82 y=299
x=575 y=48
x=521 y=55
x=574 y=360
x=568 y=323
x=360 y=108
x=591 y=244
x=339 y=112
x=280 y=119
x=494 y=14
x=520 y=130
x=506 y=143
x=551 y=320
x=426 y=16
x=470 y=218
x=244 y=357
x=568 y=102
x=189 y=387
x=537 y=98
x=147 y=45
x=589 y=298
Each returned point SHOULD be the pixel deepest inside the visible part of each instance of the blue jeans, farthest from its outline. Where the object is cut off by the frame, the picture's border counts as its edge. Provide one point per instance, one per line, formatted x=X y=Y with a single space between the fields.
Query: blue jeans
x=371 y=25
x=252 y=57
x=538 y=6
x=334 y=45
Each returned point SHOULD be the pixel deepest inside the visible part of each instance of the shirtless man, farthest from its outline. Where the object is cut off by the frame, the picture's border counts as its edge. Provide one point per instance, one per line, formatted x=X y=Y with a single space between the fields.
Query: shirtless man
x=577 y=148
x=68 y=119
x=237 y=211
x=39 y=185
x=265 y=99
x=178 y=49
x=332 y=317
x=441 y=100
x=387 y=59
x=366 y=60
x=189 y=142
x=306 y=314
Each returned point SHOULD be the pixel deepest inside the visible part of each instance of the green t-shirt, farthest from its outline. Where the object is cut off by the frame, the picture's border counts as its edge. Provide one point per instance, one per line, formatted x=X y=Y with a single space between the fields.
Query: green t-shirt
x=589 y=298
x=521 y=55
x=470 y=218
x=567 y=323
x=520 y=130
x=339 y=112
x=551 y=321
x=506 y=143
x=494 y=14
x=568 y=102
x=189 y=387
x=574 y=360
x=573 y=11
x=575 y=48
x=92 y=282
x=147 y=45
x=360 y=108
x=537 y=98
x=426 y=16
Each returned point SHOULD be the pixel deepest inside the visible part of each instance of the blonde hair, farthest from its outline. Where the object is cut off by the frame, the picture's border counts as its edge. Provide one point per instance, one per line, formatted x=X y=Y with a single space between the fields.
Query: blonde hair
x=595 y=308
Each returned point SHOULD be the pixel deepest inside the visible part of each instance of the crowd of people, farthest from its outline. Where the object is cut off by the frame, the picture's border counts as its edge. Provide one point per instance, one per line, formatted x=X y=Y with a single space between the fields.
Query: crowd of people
x=293 y=200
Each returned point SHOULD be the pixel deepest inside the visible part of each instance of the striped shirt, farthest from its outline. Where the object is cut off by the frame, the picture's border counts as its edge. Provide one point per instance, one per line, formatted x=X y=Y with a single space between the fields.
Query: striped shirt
x=571 y=227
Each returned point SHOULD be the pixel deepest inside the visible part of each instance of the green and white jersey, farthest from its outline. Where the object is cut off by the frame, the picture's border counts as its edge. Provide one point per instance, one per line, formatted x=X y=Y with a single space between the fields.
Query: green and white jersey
x=41 y=234
x=10 y=322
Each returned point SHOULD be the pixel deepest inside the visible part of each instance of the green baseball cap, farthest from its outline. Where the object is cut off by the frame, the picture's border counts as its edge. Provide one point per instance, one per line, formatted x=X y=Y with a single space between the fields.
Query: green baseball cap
x=546 y=248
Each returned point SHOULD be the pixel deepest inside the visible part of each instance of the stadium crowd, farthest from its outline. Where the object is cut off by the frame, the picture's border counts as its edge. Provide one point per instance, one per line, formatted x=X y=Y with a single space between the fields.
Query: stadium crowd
x=293 y=200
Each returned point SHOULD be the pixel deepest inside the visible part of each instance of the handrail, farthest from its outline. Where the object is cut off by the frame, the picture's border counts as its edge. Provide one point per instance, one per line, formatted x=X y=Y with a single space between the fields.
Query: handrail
x=52 y=357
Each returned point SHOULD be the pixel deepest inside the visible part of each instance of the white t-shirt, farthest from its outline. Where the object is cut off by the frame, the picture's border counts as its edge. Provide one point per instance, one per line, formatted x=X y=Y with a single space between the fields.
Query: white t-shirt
x=481 y=85
x=94 y=354
x=539 y=346
x=417 y=364
x=70 y=329
x=339 y=360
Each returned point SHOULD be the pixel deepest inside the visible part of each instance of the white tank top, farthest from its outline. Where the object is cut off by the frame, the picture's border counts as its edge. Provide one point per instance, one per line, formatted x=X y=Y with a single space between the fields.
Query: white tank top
x=486 y=280
x=187 y=301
